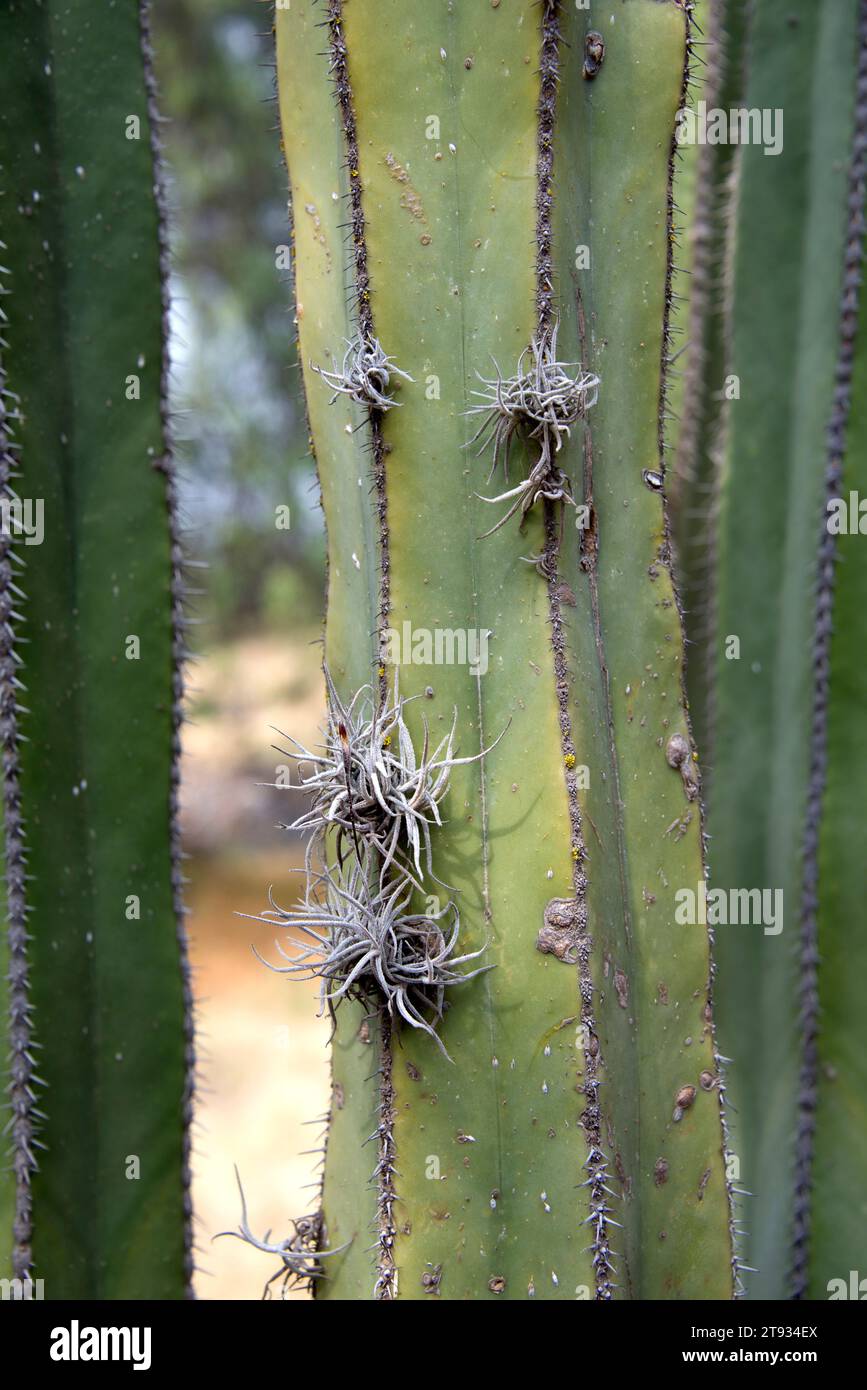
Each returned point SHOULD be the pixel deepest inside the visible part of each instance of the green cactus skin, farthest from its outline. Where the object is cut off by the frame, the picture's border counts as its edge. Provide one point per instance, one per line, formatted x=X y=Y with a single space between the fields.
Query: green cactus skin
x=564 y=1077
x=697 y=395
x=838 y=1212
x=313 y=146
x=831 y=1212
x=790 y=222
x=110 y=1002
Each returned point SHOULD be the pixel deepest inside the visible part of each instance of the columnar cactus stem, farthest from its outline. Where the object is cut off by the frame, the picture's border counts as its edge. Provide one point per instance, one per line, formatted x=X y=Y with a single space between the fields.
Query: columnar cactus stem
x=782 y=442
x=574 y=1141
x=827 y=772
x=96 y=950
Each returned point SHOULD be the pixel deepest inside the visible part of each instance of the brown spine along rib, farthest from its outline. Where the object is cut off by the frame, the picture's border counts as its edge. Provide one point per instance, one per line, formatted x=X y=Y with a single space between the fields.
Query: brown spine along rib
x=22 y=1077
x=666 y=560
x=597 y=1180
x=179 y=653
x=384 y=1174
x=809 y=922
x=340 y=73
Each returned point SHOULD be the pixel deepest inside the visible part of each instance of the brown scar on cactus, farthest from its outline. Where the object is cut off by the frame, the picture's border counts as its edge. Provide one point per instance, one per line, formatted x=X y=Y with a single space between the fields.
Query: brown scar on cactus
x=594 y=54
x=565 y=920
x=410 y=199
x=679 y=754
x=431 y=1279
x=682 y=1102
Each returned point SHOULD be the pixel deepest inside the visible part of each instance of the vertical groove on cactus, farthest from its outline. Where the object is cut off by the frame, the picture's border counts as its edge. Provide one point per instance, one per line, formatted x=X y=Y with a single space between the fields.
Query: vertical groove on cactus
x=549 y=76
x=853 y=262
x=779 y=351
x=596 y=1163
x=621 y=444
x=704 y=270
x=326 y=1119
x=364 y=309
x=385 y=1172
x=693 y=487
x=314 y=147
x=179 y=651
x=22 y=1077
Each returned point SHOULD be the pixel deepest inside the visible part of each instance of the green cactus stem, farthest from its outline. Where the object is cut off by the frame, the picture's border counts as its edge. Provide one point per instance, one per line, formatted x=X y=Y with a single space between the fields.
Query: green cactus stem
x=95 y=947
x=573 y=1144
x=786 y=705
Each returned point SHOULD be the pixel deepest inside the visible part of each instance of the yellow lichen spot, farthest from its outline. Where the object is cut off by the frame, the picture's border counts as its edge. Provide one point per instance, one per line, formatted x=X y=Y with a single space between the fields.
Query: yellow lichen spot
x=569 y=760
x=576 y=853
x=386 y=741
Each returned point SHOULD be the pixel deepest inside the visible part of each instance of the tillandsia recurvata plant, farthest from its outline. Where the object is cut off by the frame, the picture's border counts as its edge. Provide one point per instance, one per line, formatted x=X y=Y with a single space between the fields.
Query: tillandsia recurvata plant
x=543 y=402
x=769 y=476
x=95 y=1202
x=510 y=203
x=373 y=797
x=300 y=1254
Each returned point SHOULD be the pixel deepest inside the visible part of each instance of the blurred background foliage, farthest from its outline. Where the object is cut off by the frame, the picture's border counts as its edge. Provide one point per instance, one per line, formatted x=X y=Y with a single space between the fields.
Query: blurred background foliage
x=235 y=383
x=243 y=453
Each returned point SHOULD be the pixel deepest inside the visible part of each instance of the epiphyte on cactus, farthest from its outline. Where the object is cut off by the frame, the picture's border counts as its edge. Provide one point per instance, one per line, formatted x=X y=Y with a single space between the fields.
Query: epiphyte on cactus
x=364 y=942
x=370 y=786
x=377 y=796
x=541 y=402
x=365 y=374
x=301 y=1254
